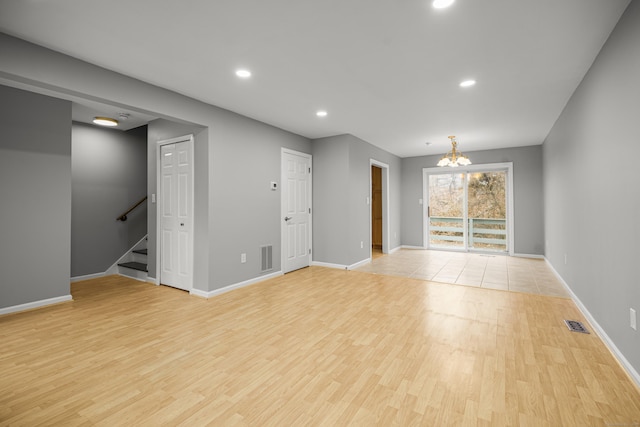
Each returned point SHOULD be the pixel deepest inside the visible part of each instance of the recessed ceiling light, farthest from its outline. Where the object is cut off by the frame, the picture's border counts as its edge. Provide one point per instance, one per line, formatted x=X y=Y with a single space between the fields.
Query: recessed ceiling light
x=467 y=83
x=441 y=4
x=321 y=113
x=105 y=121
x=244 y=74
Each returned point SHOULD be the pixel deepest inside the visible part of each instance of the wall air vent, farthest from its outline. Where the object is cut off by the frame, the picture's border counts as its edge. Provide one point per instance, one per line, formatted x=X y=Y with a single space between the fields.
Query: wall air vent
x=266 y=256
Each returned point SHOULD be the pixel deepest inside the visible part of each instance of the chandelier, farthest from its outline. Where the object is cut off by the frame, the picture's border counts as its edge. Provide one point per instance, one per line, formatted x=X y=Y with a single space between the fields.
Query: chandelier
x=454 y=158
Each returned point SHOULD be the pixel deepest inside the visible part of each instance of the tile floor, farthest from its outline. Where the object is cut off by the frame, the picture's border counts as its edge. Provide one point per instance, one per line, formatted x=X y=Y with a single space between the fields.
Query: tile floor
x=502 y=272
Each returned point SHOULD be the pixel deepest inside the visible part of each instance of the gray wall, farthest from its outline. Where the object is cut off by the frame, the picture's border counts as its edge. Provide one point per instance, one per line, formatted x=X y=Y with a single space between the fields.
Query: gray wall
x=330 y=200
x=341 y=185
x=242 y=156
x=35 y=194
x=109 y=175
x=592 y=198
x=528 y=195
x=245 y=158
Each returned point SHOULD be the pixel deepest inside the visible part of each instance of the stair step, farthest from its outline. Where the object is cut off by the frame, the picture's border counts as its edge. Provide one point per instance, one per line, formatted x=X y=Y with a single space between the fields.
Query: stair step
x=140 y=251
x=135 y=266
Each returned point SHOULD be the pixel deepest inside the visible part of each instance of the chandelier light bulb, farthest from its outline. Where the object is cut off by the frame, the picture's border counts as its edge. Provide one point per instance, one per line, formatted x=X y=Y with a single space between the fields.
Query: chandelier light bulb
x=454 y=158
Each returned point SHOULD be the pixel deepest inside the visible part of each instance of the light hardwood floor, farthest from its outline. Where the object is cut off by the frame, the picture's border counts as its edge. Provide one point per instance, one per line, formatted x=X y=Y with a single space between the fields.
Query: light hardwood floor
x=318 y=347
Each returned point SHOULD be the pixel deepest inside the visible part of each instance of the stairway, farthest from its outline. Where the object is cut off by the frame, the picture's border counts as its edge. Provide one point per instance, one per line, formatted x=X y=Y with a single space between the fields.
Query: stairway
x=134 y=264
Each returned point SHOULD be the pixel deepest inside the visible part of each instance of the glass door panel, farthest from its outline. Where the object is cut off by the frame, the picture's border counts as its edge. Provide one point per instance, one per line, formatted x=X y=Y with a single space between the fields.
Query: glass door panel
x=487 y=211
x=446 y=211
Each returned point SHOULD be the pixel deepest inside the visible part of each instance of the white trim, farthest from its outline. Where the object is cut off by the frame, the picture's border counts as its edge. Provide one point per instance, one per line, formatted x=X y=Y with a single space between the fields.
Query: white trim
x=140 y=276
x=153 y=281
x=190 y=140
x=309 y=157
x=329 y=265
x=412 y=247
x=359 y=263
x=386 y=196
x=35 y=304
x=508 y=166
x=394 y=250
x=635 y=376
x=528 y=256
x=210 y=294
x=87 y=277
x=341 y=266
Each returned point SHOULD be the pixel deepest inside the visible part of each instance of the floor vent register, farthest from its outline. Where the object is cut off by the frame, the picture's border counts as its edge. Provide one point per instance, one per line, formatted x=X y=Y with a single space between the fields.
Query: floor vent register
x=575 y=326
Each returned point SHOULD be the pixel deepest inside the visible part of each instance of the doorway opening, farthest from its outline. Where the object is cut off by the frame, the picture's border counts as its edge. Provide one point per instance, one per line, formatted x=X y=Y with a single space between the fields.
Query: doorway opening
x=379 y=213
x=376 y=210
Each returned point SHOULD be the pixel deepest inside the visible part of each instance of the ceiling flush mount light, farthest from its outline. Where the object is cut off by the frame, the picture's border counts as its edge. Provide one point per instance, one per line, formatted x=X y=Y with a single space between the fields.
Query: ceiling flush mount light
x=454 y=158
x=243 y=74
x=105 y=121
x=441 y=4
x=321 y=113
x=467 y=83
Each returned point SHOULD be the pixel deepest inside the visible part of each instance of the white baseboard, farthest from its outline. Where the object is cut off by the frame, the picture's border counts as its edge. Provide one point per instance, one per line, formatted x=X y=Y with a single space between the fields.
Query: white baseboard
x=358 y=264
x=330 y=265
x=210 y=294
x=394 y=250
x=35 y=304
x=87 y=277
x=341 y=266
x=528 y=256
x=635 y=376
x=412 y=247
x=153 y=280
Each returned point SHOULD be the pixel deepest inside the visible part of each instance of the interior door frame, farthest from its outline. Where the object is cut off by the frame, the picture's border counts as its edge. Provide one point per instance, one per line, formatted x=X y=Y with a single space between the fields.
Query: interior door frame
x=487 y=167
x=283 y=209
x=385 y=206
x=190 y=141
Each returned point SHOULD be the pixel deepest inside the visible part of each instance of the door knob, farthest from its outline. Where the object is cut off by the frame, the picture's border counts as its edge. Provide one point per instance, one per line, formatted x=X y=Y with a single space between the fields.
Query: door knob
x=287 y=218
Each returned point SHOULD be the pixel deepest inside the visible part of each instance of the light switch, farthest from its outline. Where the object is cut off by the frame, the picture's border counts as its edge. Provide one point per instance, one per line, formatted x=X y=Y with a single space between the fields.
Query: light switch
x=153 y=197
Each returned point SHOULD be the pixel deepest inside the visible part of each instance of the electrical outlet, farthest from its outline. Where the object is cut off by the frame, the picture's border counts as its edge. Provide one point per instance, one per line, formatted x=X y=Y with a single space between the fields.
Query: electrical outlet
x=632 y=319
x=243 y=258
x=361 y=244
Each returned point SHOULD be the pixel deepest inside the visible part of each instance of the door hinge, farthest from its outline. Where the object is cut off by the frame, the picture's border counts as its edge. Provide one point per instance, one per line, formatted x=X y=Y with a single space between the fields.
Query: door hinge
x=309 y=251
x=309 y=210
x=309 y=170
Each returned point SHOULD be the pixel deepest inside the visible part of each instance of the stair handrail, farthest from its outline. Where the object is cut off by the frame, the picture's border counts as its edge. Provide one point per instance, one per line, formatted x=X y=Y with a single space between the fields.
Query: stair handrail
x=123 y=217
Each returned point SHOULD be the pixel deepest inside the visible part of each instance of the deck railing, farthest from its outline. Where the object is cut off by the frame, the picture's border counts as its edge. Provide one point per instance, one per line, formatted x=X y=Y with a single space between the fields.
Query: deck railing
x=483 y=233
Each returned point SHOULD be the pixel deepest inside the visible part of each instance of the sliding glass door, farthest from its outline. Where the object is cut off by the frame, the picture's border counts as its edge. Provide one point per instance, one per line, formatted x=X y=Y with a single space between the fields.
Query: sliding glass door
x=445 y=210
x=468 y=209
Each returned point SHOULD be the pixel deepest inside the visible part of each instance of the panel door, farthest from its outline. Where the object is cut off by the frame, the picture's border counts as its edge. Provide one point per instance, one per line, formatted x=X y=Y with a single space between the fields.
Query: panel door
x=296 y=196
x=176 y=217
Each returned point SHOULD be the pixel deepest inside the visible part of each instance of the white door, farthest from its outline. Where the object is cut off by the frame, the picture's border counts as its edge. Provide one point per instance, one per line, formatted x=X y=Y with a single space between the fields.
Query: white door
x=296 y=210
x=176 y=217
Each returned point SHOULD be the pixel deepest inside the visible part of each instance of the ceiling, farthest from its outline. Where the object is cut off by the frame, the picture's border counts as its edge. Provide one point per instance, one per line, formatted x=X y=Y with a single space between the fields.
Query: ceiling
x=386 y=71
